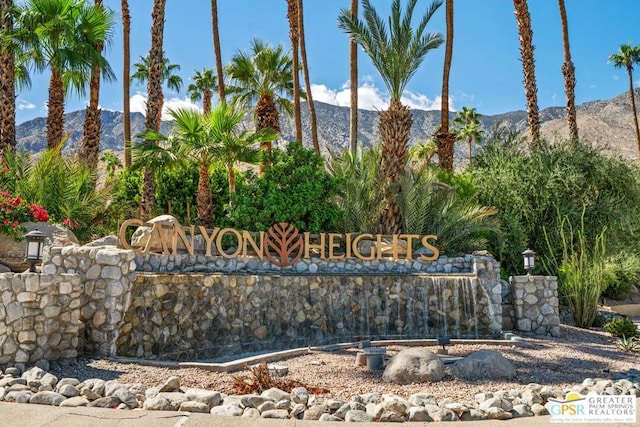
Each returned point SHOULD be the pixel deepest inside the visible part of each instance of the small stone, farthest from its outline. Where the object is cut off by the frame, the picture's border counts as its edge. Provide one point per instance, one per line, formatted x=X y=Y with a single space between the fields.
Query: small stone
x=74 y=402
x=67 y=390
x=355 y=416
x=227 y=410
x=47 y=398
x=314 y=412
x=251 y=413
x=419 y=413
x=193 y=406
x=172 y=384
x=328 y=418
x=279 y=414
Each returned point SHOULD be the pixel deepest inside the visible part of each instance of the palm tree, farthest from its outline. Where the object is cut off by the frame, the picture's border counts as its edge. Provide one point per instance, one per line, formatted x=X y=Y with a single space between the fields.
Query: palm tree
x=468 y=127
x=353 y=78
x=625 y=58
x=569 y=73
x=263 y=80
x=528 y=68
x=423 y=152
x=294 y=35
x=92 y=121
x=62 y=36
x=216 y=48
x=7 y=82
x=203 y=84
x=397 y=59
x=231 y=144
x=205 y=138
x=444 y=138
x=126 y=80
x=307 y=82
x=155 y=75
x=168 y=77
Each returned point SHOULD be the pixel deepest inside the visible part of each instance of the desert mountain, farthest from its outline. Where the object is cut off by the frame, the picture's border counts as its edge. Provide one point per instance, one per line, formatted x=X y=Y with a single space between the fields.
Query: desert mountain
x=607 y=124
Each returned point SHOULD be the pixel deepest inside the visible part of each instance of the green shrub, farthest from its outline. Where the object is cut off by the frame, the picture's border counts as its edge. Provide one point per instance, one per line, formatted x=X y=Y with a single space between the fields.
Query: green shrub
x=534 y=190
x=624 y=272
x=295 y=188
x=621 y=327
x=581 y=270
x=429 y=206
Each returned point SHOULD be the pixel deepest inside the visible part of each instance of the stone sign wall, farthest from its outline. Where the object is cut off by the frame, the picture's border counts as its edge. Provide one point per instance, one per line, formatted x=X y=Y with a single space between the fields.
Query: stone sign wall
x=104 y=300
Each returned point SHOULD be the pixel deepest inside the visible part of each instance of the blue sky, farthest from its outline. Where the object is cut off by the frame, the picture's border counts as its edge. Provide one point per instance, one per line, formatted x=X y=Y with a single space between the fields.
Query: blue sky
x=486 y=71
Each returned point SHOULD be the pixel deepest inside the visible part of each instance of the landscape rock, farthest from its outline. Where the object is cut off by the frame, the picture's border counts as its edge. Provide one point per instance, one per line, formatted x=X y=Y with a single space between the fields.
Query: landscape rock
x=47 y=398
x=483 y=365
x=414 y=365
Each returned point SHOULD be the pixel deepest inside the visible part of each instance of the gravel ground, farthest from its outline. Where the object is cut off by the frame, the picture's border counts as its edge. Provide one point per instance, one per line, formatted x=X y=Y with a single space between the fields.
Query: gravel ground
x=559 y=362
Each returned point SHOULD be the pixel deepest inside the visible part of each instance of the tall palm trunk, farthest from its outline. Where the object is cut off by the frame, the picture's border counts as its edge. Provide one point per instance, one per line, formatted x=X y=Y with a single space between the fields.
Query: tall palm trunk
x=206 y=101
x=395 y=125
x=569 y=73
x=55 y=117
x=445 y=139
x=203 y=202
x=155 y=99
x=633 y=103
x=92 y=120
x=126 y=80
x=216 y=48
x=7 y=84
x=267 y=117
x=307 y=82
x=294 y=35
x=353 y=68
x=528 y=68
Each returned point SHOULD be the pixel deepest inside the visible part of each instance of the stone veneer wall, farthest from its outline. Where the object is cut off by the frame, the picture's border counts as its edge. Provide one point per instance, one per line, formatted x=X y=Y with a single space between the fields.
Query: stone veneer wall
x=39 y=317
x=535 y=304
x=203 y=316
x=108 y=294
x=106 y=274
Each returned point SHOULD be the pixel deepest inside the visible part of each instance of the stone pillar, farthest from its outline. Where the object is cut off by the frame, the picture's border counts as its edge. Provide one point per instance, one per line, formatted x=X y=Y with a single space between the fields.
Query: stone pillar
x=39 y=317
x=535 y=299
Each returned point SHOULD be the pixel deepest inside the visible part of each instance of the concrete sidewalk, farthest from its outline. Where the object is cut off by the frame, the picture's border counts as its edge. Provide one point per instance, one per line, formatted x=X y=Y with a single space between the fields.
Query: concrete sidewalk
x=28 y=415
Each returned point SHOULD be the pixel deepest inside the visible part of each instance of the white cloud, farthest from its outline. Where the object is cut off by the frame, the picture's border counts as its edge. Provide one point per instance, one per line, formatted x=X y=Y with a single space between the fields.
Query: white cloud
x=615 y=77
x=138 y=104
x=592 y=86
x=25 y=105
x=371 y=97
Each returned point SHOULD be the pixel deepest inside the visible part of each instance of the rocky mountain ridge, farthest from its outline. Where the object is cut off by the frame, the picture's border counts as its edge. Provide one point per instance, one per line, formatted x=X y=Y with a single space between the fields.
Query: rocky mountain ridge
x=605 y=123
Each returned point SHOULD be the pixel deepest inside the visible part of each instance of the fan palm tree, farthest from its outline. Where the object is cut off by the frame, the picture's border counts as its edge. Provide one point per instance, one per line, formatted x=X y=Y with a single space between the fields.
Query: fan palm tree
x=353 y=79
x=204 y=83
x=62 y=36
x=528 y=68
x=569 y=73
x=216 y=48
x=294 y=36
x=263 y=80
x=444 y=138
x=156 y=74
x=626 y=56
x=231 y=144
x=92 y=121
x=397 y=58
x=206 y=138
x=468 y=127
x=168 y=77
x=126 y=80
x=307 y=83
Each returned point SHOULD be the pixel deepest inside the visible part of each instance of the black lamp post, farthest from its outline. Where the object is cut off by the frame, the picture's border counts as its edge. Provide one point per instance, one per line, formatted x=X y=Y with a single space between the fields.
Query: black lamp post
x=443 y=341
x=33 y=251
x=529 y=260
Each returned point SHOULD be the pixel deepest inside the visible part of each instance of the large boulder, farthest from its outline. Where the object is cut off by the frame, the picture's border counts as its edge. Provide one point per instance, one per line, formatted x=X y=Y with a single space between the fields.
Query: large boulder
x=12 y=253
x=414 y=365
x=141 y=236
x=483 y=365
